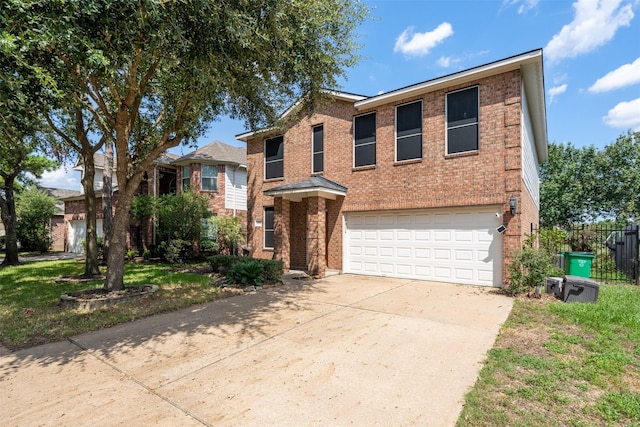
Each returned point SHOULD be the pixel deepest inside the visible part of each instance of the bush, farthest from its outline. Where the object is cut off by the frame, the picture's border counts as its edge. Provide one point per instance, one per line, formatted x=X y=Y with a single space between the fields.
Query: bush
x=223 y=263
x=529 y=268
x=228 y=231
x=247 y=271
x=175 y=252
x=272 y=269
x=34 y=209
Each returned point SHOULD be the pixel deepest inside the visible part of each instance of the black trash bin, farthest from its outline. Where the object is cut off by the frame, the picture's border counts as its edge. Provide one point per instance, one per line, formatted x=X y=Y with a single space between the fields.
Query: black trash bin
x=579 y=289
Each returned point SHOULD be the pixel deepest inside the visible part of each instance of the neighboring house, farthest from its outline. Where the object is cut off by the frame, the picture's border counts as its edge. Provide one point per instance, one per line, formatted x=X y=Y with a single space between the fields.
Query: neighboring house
x=58 y=226
x=413 y=183
x=216 y=170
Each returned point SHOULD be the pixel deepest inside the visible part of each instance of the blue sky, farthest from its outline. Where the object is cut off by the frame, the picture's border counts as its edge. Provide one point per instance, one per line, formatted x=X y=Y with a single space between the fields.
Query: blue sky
x=591 y=51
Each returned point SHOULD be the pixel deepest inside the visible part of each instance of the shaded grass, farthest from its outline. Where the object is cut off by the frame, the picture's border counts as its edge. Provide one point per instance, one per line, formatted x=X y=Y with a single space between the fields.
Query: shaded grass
x=30 y=314
x=563 y=364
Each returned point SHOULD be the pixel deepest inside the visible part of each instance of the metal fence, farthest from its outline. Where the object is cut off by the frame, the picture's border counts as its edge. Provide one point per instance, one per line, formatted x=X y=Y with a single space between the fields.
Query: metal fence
x=616 y=250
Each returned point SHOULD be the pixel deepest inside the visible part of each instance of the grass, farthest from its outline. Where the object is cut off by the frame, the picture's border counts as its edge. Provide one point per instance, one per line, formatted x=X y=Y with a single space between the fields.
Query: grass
x=563 y=364
x=30 y=315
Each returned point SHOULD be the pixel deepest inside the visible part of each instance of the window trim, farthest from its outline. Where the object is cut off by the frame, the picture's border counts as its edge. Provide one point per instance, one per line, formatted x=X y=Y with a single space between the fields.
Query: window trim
x=407 y=136
x=214 y=177
x=264 y=227
x=272 y=161
x=446 y=121
x=375 y=126
x=313 y=152
x=183 y=178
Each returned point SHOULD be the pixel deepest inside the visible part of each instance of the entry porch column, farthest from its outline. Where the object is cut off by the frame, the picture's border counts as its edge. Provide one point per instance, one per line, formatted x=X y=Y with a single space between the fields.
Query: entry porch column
x=282 y=215
x=316 y=236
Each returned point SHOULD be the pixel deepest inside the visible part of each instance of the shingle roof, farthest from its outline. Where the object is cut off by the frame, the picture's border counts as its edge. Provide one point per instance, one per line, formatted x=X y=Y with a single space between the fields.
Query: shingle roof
x=59 y=194
x=218 y=152
x=312 y=183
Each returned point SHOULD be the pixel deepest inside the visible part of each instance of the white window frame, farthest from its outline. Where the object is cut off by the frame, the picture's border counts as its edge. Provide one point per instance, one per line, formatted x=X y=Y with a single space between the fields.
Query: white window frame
x=214 y=177
x=446 y=122
x=414 y=134
x=183 y=178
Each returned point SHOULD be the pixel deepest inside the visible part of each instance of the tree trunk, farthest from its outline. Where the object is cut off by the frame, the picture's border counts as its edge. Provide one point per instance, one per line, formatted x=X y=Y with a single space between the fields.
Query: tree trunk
x=8 y=205
x=91 y=242
x=107 y=192
x=115 y=261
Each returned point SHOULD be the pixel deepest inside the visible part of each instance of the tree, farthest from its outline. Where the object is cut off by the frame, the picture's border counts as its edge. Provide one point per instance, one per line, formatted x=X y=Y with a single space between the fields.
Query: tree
x=568 y=191
x=620 y=186
x=180 y=215
x=586 y=184
x=22 y=135
x=153 y=74
x=34 y=209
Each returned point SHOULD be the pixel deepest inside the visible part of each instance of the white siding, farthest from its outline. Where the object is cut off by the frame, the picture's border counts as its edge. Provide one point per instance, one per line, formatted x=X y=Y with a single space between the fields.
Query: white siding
x=530 y=164
x=235 y=195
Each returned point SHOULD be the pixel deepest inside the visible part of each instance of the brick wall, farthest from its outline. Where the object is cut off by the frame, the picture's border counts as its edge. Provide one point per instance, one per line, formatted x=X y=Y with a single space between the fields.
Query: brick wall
x=486 y=177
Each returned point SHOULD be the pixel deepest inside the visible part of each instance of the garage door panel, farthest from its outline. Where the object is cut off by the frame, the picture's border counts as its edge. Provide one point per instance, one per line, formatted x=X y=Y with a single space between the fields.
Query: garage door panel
x=455 y=245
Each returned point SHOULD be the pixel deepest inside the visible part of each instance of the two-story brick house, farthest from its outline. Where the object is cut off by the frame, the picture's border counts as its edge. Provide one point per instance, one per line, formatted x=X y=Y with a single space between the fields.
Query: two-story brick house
x=414 y=183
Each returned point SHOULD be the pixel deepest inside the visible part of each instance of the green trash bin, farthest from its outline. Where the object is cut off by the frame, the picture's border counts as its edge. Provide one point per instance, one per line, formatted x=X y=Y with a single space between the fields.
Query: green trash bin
x=578 y=264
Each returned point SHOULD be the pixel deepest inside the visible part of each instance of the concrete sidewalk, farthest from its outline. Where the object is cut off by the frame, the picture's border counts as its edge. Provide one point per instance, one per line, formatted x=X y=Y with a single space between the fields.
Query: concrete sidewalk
x=343 y=350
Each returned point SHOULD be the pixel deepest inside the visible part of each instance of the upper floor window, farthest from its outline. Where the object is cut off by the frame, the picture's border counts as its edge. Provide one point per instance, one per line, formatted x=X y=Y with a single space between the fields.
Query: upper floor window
x=209 y=177
x=274 y=157
x=186 y=178
x=462 y=120
x=318 y=149
x=269 y=228
x=364 y=150
x=409 y=131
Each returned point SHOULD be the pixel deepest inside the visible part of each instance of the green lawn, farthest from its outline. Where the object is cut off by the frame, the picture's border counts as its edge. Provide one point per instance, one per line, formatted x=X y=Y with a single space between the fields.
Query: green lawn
x=30 y=315
x=557 y=364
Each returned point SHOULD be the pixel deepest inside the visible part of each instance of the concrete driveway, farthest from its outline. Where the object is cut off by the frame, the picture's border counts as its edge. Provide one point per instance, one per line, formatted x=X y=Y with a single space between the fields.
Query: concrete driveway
x=345 y=350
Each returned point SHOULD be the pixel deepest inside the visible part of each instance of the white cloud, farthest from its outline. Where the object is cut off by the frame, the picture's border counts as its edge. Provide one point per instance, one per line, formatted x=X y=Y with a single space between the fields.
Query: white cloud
x=418 y=44
x=63 y=177
x=525 y=5
x=444 y=62
x=595 y=23
x=555 y=91
x=625 y=115
x=450 y=61
x=626 y=75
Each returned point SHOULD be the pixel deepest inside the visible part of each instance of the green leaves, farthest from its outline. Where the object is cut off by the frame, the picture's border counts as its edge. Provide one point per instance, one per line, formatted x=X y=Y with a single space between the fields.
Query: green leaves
x=585 y=184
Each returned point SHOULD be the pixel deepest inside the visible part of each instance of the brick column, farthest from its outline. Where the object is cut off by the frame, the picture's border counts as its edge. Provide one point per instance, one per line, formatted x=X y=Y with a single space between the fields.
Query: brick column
x=316 y=245
x=282 y=215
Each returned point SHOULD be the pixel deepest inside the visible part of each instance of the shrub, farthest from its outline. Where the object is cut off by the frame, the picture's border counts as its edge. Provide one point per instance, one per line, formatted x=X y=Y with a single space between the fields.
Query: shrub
x=131 y=254
x=223 y=263
x=247 y=273
x=228 y=231
x=175 y=252
x=529 y=268
x=272 y=269
x=34 y=209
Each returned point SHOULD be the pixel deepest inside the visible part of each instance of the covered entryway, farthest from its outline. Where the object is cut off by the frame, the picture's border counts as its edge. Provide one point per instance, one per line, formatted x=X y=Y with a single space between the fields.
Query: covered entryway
x=457 y=245
x=305 y=214
x=77 y=232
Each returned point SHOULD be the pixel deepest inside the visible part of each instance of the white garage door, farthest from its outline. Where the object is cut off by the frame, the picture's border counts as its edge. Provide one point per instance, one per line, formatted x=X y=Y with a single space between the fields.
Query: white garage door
x=446 y=245
x=78 y=232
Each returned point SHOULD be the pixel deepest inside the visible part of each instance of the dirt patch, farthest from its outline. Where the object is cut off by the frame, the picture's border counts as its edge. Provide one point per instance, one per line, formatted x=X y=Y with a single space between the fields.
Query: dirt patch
x=88 y=299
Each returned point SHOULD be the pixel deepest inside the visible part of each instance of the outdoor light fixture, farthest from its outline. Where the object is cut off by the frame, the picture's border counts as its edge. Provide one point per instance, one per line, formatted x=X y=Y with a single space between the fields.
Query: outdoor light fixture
x=513 y=204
